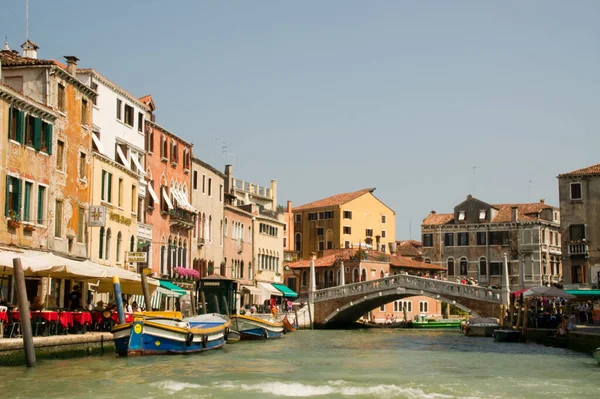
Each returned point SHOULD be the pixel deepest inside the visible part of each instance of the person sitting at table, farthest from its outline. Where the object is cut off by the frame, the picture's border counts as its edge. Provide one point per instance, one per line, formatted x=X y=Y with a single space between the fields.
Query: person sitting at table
x=75 y=298
x=37 y=304
x=135 y=307
x=99 y=306
x=126 y=306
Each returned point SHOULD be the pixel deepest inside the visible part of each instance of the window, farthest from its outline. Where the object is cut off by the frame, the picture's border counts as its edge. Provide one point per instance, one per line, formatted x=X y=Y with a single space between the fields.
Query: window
x=27 y=201
x=60 y=155
x=319 y=231
x=423 y=306
x=428 y=240
x=449 y=239
x=463 y=239
x=82 y=165
x=298 y=242
x=101 y=243
x=481 y=238
x=383 y=218
x=128 y=115
x=220 y=193
x=346 y=244
x=499 y=237
x=347 y=214
x=15 y=127
x=482 y=214
x=312 y=217
x=195 y=180
x=321 y=215
x=576 y=191
x=62 y=99
x=450 y=263
x=119 y=109
x=464 y=266
x=149 y=140
x=321 y=245
x=119 y=242
x=84 y=112
x=328 y=214
x=80 y=224
x=203 y=184
x=369 y=232
x=58 y=216
x=140 y=122
x=120 y=193
x=496 y=268
x=46 y=138
x=13 y=197
x=133 y=199
x=174 y=152
x=41 y=204
x=209 y=187
x=427 y=260
x=106 y=193
x=462 y=215
x=298 y=218
x=577 y=232
x=383 y=233
x=347 y=230
x=483 y=267
x=107 y=246
x=29 y=130
x=577 y=274
x=382 y=308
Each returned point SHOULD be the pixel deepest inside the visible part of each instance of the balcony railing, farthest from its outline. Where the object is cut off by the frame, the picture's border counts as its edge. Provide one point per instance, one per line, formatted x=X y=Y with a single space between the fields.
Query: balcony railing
x=578 y=248
x=252 y=188
x=181 y=218
x=268 y=213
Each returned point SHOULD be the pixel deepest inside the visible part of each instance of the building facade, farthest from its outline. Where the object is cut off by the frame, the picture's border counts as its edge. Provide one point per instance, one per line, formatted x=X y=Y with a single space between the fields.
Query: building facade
x=579 y=195
x=471 y=242
x=344 y=221
x=168 y=208
x=206 y=188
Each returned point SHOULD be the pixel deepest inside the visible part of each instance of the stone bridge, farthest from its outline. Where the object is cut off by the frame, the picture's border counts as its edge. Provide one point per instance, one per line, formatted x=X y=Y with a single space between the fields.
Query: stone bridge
x=343 y=305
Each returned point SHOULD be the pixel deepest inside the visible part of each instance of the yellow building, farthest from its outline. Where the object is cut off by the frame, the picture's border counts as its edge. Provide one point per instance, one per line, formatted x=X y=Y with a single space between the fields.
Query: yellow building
x=116 y=189
x=343 y=221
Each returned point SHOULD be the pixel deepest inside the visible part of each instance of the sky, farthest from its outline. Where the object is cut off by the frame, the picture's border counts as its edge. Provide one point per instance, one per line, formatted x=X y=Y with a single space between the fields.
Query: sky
x=426 y=101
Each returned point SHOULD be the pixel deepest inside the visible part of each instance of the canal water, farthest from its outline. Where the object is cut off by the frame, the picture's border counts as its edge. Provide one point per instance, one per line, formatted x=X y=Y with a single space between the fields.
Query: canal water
x=334 y=364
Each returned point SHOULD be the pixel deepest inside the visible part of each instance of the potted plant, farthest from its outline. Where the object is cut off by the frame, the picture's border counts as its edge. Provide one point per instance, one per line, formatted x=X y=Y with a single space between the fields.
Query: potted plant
x=13 y=219
x=28 y=227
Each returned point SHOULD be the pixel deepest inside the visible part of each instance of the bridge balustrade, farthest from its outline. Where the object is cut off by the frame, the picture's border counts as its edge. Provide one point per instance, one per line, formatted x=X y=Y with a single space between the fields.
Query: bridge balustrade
x=427 y=285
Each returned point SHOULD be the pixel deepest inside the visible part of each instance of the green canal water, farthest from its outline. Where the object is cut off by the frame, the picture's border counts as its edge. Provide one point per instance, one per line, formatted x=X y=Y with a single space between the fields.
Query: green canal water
x=334 y=364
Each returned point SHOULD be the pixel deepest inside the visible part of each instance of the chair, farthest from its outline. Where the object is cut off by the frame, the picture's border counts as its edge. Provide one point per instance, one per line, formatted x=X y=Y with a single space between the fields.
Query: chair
x=14 y=326
x=3 y=309
x=107 y=322
x=38 y=325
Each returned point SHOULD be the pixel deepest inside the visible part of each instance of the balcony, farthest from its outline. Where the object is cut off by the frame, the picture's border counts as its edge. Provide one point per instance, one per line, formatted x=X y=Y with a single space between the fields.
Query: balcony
x=268 y=213
x=181 y=218
x=253 y=189
x=578 y=248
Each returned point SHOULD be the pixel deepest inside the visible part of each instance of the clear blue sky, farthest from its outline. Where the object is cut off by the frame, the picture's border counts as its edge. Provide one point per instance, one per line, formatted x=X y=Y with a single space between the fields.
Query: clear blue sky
x=334 y=96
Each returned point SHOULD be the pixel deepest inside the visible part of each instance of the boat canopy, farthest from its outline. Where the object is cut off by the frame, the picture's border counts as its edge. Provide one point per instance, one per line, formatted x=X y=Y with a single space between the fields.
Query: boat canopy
x=268 y=289
x=172 y=287
x=287 y=292
x=586 y=293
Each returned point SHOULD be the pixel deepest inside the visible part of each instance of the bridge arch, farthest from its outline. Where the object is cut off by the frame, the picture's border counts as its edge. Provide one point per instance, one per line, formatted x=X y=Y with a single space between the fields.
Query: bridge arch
x=353 y=310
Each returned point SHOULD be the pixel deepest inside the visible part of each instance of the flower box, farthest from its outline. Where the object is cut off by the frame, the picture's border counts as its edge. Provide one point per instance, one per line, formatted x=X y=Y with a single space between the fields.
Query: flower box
x=28 y=227
x=13 y=223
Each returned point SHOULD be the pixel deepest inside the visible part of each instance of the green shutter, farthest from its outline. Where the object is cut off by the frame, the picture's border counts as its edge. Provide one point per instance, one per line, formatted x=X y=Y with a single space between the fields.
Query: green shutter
x=48 y=132
x=27 y=202
x=109 y=196
x=102 y=186
x=18 y=189
x=6 y=195
x=10 y=112
x=20 y=126
x=37 y=133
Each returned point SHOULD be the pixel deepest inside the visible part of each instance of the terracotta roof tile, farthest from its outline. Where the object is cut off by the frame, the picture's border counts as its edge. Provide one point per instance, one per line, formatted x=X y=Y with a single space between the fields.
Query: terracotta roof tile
x=526 y=211
x=590 y=170
x=434 y=219
x=401 y=261
x=337 y=199
x=408 y=248
x=12 y=58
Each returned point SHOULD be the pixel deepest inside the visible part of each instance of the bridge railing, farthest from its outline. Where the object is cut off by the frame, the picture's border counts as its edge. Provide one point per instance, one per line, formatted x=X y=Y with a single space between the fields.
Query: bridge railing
x=427 y=285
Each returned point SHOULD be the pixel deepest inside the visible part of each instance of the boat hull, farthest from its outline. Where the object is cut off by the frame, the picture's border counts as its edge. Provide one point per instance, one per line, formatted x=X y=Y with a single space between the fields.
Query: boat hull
x=436 y=324
x=507 y=336
x=166 y=336
x=474 y=330
x=256 y=328
x=596 y=355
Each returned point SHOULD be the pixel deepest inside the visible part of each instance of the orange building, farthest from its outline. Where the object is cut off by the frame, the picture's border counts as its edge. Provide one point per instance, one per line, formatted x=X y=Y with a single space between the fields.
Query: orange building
x=168 y=207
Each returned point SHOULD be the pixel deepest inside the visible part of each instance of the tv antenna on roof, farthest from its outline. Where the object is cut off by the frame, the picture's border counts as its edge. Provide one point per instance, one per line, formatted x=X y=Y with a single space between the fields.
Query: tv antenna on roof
x=26 y=20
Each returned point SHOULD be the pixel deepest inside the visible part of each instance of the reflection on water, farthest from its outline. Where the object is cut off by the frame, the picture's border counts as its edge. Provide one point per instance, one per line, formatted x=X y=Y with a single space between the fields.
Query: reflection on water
x=334 y=364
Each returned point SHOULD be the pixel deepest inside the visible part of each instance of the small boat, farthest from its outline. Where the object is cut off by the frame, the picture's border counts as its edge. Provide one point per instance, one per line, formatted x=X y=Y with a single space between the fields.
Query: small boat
x=251 y=327
x=362 y=324
x=481 y=327
x=160 y=336
x=439 y=323
x=507 y=335
x=287 y=324
x=596 y=355
x=233 y=337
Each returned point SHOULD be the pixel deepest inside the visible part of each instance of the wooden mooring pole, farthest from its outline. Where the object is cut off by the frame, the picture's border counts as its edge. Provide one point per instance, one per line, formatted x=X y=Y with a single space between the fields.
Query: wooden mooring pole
x=23 y=304
x=145 y=290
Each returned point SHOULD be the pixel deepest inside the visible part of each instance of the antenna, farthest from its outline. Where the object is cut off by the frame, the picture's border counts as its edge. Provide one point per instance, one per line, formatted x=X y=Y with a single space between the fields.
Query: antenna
x=529 y=191
x=26 y=20
x=474 y=168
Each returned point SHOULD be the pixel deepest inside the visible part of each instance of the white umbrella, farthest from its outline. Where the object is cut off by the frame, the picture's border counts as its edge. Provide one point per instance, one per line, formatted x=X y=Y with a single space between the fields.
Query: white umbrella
x=548 y=291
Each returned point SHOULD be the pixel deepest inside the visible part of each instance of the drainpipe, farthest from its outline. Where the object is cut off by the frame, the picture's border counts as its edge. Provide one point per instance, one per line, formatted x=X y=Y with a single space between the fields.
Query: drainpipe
x=506 y=286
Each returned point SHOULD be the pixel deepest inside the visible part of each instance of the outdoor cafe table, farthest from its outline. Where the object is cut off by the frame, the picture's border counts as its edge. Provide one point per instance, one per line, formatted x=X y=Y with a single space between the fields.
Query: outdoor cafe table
x=46 y=315
x=128 y=317
x=4 y=317
x=82 y=318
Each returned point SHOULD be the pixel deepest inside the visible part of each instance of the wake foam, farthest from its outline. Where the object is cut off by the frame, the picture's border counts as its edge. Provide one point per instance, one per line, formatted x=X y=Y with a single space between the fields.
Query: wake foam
x=172 y=387
x=296 y=389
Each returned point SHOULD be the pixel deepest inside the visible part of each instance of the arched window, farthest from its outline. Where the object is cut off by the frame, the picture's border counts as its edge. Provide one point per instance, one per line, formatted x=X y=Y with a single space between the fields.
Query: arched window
x=427 y=260
x=483 y=267
x=464 y=268
x=450 y=263
x=363 y=276
x=184 y=253
x=107 y=247
x=298 y=242
x=223 y=267
x=101 y=244
x=250 y=270
x=221 y=233
x=316 y=278
x=355 y=276
x=169 y=255
x=225 y=232
x=250 y=235
x=304 y=278
x=381 y=274
x=242 y=269
x=132 y=244
x=210 y=228
x=395 y=306
x=119 y=239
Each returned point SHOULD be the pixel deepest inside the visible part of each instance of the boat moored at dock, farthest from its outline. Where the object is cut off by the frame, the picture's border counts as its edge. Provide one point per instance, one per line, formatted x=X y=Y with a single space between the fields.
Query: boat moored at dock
x=251 y=327
x=481 y=327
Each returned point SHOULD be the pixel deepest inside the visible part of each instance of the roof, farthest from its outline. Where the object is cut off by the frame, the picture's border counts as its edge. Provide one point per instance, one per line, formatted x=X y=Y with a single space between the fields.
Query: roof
x=337 y=199
x=438 y=218
x=588 y=171
x=148 y=100
x=12 y=58
x=526 y=211
x=7 y=90
x=409 y=248
x=401 y=261
x=326 y=261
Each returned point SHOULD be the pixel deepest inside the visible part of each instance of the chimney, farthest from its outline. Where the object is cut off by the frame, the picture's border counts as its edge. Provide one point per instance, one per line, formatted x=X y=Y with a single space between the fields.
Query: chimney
x=514 y=214
x=542 y=201
x=228 y=179
x=71 y=64
x=392 y=246
x=29 y=49
x=433 y=212
x=289 y=207
x=469 y=196
x=274 y=193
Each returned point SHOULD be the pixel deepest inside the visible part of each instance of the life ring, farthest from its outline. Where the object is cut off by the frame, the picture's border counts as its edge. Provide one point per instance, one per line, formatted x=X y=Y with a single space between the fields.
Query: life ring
x=204 y=340
x=189 y=338
x=265 y=333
